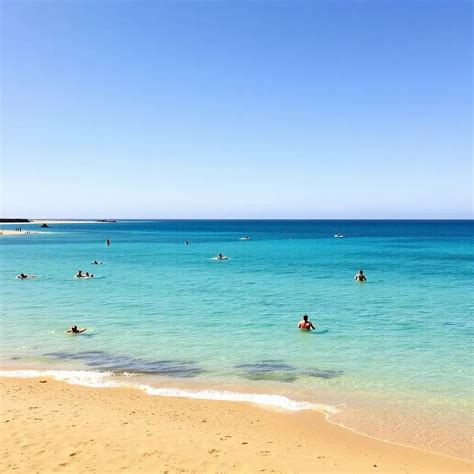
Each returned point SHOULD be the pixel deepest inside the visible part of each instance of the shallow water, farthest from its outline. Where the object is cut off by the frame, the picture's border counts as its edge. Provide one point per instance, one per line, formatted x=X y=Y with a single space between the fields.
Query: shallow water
x=393 y=355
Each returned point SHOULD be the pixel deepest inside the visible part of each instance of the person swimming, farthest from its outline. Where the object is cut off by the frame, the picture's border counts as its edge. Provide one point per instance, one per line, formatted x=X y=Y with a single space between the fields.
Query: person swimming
x=186 y=242
x=305 y=325
x=95 y=262
x=107 y=242
x=22 y=276
x=75 y=330
x=360 y=276
x=79 y=274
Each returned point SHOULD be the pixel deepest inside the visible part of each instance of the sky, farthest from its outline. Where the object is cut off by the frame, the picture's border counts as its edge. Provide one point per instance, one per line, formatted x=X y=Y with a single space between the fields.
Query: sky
x=250 y=109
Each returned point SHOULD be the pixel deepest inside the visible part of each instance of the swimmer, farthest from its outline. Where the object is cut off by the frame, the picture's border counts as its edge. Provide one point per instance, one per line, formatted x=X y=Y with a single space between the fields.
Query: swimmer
x=95 y=262
x=79 y=274
x=75 y=330
x=186 y=242
x=360 y=276
x=87 y=274
x=25 y=276
x=305 y=325
x=107 y=242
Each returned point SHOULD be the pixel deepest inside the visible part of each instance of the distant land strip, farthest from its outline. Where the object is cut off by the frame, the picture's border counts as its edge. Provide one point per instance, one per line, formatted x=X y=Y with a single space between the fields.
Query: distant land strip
x=53 y=221
x=14 y=220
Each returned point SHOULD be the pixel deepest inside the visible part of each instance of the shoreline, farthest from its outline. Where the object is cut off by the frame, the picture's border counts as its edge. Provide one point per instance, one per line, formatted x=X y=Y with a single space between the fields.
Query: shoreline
x=265 y=398
x=12 y=233
x=177 y=433
x=58 y=221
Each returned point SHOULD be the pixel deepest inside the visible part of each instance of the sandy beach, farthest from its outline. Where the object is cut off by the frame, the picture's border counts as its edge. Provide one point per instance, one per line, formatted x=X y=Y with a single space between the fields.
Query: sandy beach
x=9 y=232
x=70 y=221
x=47 y=222
x=50 y=426
x=59 y=221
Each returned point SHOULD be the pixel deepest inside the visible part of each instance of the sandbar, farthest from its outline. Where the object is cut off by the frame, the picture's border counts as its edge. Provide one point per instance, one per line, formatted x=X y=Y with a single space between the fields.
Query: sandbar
x=59 y=221
x=10 y=232
x=70 y=221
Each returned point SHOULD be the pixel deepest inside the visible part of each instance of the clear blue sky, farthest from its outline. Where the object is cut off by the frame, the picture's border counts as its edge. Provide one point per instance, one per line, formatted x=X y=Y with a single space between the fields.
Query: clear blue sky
x=245 y=109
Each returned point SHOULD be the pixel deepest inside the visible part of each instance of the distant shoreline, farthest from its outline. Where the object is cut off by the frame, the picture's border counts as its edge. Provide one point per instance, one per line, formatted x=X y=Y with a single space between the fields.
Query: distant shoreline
x=12 y=232
x=228 y=219
x=57 y=221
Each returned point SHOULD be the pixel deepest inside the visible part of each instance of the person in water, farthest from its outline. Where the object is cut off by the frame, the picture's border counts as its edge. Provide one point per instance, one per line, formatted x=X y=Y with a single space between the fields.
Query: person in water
x=305 y=325
x=87 y=274
x=23 y=276
x=75 y=330
x=360 y=276
x=107 y=242
x=79 y=274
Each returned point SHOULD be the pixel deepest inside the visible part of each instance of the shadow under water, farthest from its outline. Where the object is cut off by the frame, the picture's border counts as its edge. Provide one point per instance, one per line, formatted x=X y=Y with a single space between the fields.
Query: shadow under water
x=278 y=370
x=104 y=361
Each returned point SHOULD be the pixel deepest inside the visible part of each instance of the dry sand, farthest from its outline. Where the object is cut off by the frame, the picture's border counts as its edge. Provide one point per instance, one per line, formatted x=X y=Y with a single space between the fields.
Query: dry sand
x=50 y=426
x=20 y=232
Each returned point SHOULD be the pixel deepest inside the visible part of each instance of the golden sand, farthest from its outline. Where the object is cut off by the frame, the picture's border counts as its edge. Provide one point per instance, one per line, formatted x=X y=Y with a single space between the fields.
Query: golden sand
x=50 y=426
x=19 y=232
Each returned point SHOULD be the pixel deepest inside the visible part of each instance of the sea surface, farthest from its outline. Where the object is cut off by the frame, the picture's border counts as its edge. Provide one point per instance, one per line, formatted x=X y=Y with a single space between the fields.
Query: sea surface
x=392 y=357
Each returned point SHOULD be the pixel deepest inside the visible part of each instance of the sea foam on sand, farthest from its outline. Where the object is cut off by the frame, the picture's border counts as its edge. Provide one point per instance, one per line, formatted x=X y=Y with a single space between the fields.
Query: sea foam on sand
x=89 y=378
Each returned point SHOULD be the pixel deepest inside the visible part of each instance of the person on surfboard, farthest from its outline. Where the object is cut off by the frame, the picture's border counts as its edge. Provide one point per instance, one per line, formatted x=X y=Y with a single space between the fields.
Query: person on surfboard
x=75 y=330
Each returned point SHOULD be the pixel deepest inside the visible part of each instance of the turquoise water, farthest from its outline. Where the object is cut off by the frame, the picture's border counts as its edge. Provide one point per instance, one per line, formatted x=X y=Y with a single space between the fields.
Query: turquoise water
x=393 y=356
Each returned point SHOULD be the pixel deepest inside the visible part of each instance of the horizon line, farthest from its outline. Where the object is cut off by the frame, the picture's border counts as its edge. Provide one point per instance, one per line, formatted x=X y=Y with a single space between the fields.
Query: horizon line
x=238 y=219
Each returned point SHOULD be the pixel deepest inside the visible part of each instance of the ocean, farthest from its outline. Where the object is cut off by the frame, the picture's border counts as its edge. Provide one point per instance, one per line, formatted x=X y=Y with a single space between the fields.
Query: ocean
x=391 y=358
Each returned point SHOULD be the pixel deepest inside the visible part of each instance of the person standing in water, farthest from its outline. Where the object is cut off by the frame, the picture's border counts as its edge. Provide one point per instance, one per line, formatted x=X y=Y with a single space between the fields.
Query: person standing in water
x=360 y=276
x=305 y=325
x=107 y=243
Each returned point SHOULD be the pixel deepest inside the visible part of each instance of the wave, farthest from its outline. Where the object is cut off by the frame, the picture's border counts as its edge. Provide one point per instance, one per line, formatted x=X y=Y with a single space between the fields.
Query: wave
x=96 y=379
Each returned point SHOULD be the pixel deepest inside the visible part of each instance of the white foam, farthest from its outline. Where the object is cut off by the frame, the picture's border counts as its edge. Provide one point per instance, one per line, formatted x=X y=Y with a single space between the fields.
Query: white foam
x=74 y=377
x=277 y=401
x=104 y=379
